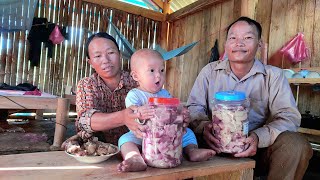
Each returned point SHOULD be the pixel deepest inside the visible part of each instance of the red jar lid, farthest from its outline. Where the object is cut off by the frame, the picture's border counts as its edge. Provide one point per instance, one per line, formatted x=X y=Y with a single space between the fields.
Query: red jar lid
x=169 y=101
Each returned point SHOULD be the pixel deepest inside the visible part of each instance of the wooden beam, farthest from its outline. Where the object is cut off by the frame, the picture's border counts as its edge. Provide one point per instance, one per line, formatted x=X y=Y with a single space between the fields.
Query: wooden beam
x=157 y=16
x=193 y=8
x=159 y=3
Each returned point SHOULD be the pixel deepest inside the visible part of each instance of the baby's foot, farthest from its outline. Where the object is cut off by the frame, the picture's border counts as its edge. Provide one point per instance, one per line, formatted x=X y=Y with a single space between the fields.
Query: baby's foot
x=132 y=164
x=196 y=154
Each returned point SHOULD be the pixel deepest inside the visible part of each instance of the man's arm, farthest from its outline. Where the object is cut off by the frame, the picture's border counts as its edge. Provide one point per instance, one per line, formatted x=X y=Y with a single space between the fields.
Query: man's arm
x=283 y=110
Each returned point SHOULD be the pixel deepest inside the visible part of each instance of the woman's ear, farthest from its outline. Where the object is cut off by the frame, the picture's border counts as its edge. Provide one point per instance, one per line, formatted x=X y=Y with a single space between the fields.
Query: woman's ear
x=88 y=60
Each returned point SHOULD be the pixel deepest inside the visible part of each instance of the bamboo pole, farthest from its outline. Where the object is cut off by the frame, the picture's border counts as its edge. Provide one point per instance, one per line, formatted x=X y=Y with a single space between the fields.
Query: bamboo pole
x=9 y=59
x=21 y=57
x=3 y=57
x=15 y=58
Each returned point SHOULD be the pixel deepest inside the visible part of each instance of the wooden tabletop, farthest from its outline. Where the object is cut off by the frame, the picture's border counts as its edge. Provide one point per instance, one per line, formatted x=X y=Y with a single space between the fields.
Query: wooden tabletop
x=58 y=165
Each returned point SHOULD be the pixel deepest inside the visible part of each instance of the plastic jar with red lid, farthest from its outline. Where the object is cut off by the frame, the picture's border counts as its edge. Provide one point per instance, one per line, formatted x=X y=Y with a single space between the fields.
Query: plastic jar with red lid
x=162 y=145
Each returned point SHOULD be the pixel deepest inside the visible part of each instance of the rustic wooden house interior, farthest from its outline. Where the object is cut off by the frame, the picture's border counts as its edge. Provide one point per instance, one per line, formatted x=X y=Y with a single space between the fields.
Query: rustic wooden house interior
x=55 y=68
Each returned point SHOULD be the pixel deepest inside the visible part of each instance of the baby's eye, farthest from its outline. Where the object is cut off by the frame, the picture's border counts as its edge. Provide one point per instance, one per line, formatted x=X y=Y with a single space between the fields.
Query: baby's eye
x=162 y=70
x=151 y=70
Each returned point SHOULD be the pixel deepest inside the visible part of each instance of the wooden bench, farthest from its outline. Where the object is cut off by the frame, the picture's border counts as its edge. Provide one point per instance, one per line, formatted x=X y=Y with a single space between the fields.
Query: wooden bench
x=58 y=165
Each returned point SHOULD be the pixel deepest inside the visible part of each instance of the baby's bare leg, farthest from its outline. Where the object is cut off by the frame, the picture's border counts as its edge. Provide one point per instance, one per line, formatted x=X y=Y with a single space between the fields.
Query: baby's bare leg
x=133 y=160
x=195 y=154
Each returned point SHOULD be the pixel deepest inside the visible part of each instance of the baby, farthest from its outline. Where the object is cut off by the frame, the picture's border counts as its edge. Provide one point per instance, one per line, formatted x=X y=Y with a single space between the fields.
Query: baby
x=147 y=68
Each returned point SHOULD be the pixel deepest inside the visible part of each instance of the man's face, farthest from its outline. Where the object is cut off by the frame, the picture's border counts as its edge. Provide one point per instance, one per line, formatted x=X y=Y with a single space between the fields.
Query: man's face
x=242 y=43
x=104 y=57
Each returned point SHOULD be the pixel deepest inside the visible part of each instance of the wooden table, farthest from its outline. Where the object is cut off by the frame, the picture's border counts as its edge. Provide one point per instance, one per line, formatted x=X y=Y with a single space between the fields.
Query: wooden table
x=38 y=102
x=58 y=165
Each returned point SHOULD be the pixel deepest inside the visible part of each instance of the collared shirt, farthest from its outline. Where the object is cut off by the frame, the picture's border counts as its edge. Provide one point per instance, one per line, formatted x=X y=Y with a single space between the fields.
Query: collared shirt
x=93 y=95
x=272 y=105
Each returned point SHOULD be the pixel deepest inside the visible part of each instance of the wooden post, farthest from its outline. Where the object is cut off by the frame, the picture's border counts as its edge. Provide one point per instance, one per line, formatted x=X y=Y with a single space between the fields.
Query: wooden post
x=39 y=114
x=62 y=116
x=248 y=8
x=165 y=26
x=264 y=53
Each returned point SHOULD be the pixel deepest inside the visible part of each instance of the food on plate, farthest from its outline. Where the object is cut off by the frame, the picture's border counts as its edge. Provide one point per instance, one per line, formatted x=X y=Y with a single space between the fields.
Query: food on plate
x=90 y=148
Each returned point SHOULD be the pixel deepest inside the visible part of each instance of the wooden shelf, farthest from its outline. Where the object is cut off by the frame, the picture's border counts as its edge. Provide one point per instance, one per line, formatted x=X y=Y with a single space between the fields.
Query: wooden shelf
x=314 y=132
x=304 y=80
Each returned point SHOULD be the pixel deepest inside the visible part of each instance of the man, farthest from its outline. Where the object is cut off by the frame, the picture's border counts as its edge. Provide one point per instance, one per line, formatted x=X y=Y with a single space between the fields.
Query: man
x=273 y=118
x=100 y=98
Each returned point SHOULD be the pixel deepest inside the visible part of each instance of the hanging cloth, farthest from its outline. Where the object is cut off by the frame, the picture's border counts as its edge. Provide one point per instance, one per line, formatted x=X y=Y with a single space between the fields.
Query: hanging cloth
x=214 y=52
x=56 y=37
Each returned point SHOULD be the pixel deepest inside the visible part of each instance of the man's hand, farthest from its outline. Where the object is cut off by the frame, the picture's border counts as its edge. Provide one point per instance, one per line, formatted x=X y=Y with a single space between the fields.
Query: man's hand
x=186 y=117
x=252 y=141
x=212 y=142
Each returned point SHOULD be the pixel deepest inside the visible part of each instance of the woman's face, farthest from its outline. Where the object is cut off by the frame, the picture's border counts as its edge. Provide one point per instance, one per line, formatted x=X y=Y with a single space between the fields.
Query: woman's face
x=104 y=57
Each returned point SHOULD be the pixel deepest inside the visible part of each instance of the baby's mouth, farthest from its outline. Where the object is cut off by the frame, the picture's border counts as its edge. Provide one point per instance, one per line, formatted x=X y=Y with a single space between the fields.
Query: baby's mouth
x=157 y=83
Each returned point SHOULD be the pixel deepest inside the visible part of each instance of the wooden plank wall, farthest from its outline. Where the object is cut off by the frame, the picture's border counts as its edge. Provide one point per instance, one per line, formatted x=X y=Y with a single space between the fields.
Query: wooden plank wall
x=205 y=26
x=281 y=20
x=68 y=64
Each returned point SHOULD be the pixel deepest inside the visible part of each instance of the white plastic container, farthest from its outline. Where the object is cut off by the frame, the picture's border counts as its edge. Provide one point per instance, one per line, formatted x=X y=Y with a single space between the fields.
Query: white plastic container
x=230 y=120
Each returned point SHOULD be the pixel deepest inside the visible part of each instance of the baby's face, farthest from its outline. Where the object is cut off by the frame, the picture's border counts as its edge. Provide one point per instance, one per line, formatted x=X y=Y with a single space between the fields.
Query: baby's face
x=151 y=74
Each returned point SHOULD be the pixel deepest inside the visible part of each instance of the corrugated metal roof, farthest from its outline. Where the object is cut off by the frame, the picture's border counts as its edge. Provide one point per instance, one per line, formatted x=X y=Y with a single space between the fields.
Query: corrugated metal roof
x=178 y=4
x=174 y=4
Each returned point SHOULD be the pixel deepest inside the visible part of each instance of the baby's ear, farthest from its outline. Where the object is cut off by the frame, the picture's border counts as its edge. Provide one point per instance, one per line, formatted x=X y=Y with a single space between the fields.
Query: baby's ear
x=134 y=75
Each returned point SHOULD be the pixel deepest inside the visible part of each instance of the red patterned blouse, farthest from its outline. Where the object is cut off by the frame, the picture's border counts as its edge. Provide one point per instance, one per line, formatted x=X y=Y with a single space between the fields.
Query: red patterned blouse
x=93 y=95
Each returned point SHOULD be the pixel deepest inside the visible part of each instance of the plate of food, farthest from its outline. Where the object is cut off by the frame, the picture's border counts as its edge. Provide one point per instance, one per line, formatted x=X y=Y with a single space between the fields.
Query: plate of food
x=91 y=152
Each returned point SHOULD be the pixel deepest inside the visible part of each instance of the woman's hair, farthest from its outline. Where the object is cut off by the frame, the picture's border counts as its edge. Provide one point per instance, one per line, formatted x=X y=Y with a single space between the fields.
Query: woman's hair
x=100 y=35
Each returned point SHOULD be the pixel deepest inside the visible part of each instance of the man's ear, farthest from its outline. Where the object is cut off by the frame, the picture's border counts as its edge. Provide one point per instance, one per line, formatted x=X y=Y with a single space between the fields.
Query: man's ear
x=260 y=43
x=134 y=75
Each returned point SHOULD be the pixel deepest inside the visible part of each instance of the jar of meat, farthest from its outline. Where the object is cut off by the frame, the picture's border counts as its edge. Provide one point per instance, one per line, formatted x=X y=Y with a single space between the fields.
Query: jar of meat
x=162 y=145
x=230 y=120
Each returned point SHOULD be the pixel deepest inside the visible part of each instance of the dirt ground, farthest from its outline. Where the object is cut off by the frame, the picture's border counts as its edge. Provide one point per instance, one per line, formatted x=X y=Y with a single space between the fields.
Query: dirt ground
x=35 y=136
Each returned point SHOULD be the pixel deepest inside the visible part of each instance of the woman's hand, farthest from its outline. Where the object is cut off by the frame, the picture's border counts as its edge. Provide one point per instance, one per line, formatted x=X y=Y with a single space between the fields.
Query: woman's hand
x=211 y=141
x=145 y=112
x=130 y=120
x=252 y=141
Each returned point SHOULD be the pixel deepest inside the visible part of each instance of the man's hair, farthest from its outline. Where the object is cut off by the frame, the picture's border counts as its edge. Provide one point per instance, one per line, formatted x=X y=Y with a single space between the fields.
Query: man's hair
x=100 y=35
x=250 y=22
